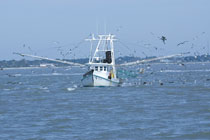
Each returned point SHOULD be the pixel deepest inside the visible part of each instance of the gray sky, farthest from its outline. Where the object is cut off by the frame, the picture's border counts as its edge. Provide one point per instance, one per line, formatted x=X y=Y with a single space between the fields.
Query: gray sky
x=44 y=25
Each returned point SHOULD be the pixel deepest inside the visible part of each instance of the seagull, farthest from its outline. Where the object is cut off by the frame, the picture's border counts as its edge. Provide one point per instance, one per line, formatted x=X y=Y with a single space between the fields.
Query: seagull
x=155 y=48
x=119 y=28
x=163 y=38
x=29 y=48
x=10 y=75
x=152 y=33
x=182 y=43
x=144 y=54
x=148 y=44
x=181 y=64
x=56 y=42
x=192 y=46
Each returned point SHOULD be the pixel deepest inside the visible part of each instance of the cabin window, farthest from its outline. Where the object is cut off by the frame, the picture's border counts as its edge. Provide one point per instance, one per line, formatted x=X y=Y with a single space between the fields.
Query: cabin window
x=104 y=68
x=96 y=68
x=101 y=68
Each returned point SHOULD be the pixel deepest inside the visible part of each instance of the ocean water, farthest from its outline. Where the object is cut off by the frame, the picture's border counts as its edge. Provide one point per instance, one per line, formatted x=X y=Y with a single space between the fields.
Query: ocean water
x=166 y=102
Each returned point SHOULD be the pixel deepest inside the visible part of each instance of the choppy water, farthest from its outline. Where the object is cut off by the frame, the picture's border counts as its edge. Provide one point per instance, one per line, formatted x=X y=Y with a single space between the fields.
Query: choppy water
x=166 y=102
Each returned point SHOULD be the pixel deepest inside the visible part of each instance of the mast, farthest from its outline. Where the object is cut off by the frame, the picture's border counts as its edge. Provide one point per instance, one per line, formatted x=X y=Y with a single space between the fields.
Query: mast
x=104 y=47
x=105 y=43
x=113 y=57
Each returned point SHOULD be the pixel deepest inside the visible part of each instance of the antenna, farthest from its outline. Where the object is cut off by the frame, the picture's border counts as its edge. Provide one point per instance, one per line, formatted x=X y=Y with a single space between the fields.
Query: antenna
x=105 y=27
x=97 y=27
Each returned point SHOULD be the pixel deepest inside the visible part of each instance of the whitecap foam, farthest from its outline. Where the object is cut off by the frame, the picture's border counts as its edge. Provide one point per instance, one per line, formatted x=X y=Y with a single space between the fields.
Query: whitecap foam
x=71 y=89
x=182 y=71
x=44 y=88
x=56 y=73
x=17 y=75
x=6 y=89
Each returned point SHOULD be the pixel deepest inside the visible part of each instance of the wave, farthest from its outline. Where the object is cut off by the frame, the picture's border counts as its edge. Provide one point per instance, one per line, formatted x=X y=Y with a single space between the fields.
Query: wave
x=50 y=74
x=177 y=71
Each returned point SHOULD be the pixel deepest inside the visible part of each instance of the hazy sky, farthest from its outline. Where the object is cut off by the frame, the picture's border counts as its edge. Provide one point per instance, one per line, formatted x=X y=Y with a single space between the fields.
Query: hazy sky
x=43 y=25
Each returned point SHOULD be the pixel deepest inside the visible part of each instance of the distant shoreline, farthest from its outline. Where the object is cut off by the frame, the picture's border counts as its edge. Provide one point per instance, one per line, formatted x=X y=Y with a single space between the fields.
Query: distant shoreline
x=30 y=64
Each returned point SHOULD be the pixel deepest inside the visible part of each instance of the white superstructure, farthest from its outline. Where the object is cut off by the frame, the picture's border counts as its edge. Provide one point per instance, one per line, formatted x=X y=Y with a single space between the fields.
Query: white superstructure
x=102 y=70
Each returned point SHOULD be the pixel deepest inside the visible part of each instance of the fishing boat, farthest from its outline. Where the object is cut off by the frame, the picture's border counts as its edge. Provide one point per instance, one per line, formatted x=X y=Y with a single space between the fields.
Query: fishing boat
x=102 y=70
x=101 y=65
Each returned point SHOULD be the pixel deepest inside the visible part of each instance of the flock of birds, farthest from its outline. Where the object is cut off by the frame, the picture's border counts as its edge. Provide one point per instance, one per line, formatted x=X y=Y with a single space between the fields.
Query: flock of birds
x=190 y=45
x=60 y=49
x=162 y=38
x=64 y=53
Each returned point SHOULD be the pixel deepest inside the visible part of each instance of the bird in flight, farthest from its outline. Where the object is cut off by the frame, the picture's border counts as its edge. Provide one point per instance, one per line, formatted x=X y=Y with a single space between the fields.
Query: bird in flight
x=163 y=38
x=182 y=43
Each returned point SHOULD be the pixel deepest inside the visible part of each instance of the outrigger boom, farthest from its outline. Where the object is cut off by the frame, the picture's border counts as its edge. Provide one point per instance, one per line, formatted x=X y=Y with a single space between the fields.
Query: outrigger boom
x=50 y=59
x=150 y=60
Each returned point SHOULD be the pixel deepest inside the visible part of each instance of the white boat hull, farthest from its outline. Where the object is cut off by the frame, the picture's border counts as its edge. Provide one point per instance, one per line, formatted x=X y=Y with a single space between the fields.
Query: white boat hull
x=93 y=79
x=100 y=81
